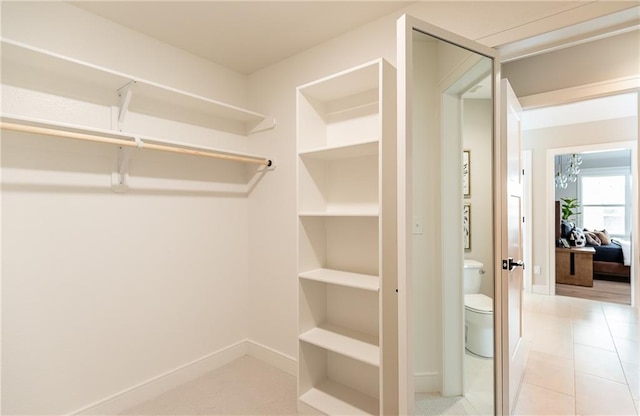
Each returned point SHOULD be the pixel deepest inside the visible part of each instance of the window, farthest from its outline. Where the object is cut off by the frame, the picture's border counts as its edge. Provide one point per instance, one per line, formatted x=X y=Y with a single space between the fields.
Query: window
x=605 y=200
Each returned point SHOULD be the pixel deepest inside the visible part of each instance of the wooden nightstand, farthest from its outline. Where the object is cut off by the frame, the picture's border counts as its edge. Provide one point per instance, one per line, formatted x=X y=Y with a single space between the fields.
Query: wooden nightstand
x=574 y=266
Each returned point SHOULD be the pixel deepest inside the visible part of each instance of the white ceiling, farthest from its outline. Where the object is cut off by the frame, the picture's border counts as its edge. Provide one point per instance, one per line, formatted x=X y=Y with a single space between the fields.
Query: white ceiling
x=246 y=36
x=242 y=35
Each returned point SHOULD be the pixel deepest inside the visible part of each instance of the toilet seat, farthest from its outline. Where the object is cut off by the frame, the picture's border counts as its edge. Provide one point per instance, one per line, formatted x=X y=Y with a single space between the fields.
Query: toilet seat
x=477 y=302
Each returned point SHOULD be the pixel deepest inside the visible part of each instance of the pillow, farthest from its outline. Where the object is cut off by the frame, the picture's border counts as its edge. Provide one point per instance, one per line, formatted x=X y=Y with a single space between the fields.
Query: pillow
x=565 y=228
x=603 y=236
x=592 y=238
x=578 y=237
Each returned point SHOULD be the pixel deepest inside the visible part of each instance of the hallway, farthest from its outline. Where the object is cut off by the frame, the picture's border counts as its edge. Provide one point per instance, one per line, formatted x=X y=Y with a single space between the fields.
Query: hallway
x=582 y=358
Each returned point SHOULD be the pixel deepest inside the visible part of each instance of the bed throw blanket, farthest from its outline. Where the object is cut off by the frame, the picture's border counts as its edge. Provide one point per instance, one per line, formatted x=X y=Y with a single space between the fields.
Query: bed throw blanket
x=626 y=251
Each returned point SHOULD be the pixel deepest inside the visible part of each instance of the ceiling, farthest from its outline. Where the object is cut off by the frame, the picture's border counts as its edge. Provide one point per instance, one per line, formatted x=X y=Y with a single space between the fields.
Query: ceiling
x=246 y=36
x=242 y=35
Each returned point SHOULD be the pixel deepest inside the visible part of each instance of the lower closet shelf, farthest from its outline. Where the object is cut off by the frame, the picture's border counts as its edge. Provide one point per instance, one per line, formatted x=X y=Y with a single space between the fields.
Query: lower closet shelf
x=352 y=344
x=336 y=277
x=334 y=398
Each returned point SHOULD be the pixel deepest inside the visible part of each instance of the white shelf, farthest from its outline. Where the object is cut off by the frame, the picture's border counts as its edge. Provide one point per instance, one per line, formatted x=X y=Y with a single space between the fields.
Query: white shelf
x=343 y=84
x=345 y=213
x=333 y=398
x=352 y=344
x=24 y=64
x=337 y=277
x=364 y=148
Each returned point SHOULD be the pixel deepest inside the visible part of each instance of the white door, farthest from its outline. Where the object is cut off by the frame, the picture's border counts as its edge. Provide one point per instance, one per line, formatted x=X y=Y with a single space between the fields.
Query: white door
x=511 y=247
x=443 y=340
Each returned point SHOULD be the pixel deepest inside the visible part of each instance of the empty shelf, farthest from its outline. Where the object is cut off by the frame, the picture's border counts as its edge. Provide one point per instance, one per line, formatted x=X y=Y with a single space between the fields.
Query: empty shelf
x=336 y=277
x=345 y=151
x=333 y=398
x=356 y=345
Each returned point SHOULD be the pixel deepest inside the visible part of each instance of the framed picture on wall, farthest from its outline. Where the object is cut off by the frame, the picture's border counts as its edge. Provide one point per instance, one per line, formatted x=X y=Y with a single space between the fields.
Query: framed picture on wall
x=466 y=226
x=466 y=173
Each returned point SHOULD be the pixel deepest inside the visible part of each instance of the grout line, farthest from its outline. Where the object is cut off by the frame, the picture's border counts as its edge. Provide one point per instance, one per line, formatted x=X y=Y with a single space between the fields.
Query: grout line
x=626 y=378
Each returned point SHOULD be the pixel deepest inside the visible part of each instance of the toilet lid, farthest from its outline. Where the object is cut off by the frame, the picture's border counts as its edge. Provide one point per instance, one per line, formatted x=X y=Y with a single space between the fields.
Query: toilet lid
x=478 y=302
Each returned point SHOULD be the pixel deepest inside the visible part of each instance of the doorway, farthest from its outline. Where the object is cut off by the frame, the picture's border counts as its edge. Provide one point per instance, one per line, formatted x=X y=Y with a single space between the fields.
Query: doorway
x=588 y=127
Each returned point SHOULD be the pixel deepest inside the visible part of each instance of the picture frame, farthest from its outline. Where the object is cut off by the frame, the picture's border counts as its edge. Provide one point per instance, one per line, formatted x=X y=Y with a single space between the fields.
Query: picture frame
x=466 y=226
x=466 y=173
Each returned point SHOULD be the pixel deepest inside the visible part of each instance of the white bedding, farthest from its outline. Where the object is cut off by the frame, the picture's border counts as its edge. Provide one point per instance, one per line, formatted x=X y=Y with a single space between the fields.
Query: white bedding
x=626 y=251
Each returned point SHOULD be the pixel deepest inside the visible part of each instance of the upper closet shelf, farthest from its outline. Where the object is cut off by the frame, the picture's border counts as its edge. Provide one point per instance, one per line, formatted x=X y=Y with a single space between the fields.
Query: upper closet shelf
x=351 y=82
x=343 y=151
x=30 y=67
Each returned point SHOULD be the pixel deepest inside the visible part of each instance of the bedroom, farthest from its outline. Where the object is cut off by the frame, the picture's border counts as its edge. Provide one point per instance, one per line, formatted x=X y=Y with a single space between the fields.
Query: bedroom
x=599 y=186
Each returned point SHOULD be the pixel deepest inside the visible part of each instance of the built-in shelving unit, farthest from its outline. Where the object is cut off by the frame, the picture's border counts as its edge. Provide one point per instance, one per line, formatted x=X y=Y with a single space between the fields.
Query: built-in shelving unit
x=347 y=242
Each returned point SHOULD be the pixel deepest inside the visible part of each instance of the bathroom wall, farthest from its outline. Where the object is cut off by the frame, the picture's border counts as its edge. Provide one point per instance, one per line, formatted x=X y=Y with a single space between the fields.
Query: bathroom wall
x=477 y=137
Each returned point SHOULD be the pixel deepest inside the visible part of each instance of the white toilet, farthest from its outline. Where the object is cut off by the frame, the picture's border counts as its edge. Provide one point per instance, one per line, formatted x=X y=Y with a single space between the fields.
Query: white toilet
x=478 y=312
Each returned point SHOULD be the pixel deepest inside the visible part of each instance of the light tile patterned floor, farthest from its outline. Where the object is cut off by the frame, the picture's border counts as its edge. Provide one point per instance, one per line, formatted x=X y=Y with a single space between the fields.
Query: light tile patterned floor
x=583 y=358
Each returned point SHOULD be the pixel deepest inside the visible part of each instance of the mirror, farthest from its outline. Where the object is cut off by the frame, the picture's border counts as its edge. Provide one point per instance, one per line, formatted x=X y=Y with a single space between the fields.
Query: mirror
x=453 y=240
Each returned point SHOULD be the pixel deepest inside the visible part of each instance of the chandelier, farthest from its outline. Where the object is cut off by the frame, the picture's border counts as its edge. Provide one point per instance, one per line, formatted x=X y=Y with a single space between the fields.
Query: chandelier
x=562 y=179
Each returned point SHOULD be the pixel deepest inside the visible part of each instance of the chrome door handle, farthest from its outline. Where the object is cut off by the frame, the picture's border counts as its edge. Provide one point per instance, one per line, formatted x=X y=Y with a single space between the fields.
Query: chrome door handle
x=509 y=264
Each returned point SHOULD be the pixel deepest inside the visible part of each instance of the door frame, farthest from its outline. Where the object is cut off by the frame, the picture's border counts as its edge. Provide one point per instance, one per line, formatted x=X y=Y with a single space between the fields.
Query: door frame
x=405 y=26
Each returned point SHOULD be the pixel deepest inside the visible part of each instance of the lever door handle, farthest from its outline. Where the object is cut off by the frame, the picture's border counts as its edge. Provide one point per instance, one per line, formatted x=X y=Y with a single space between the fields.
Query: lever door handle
x=510 y=264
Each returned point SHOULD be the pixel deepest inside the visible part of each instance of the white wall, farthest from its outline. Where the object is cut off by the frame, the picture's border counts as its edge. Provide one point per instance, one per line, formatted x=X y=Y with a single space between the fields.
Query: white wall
x=539 y=140
x=427 y=251
x=478 y=139
x=104 y=291
x=602 y=60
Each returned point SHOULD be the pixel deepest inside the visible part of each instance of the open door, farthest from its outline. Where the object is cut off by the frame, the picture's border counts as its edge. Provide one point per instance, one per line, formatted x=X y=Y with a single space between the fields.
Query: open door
x=432 y=356
x=511 y=198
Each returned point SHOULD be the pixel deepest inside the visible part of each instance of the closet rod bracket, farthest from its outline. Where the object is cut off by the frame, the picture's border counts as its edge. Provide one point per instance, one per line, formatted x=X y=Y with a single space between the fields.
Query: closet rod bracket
x=125 y=93
x=120 y=178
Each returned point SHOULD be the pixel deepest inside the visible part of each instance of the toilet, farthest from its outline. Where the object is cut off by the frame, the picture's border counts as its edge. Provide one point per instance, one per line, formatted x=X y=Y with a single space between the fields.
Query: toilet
x=478 y=312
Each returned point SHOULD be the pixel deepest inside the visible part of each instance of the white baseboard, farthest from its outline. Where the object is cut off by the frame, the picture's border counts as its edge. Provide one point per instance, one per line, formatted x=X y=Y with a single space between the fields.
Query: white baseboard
x=281 y=361
x=165 y=382
x=540 y=289
x=427 y=382
x=156 y=386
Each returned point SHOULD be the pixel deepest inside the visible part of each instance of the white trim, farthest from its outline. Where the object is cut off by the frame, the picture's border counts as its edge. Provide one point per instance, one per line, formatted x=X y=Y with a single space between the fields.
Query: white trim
x=581 y=92
x=270 y=356
x=427 y=382
x=155 y=386
x=527 y=249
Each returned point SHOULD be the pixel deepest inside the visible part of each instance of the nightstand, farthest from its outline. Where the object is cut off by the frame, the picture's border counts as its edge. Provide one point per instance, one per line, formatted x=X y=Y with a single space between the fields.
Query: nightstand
x=574 y=266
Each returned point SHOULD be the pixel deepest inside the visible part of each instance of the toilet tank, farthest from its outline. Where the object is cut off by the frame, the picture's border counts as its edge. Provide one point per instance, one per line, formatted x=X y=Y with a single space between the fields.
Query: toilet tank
x=472 y=276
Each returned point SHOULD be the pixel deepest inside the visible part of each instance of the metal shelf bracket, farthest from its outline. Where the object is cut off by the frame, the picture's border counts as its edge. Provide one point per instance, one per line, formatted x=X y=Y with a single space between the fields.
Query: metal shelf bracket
x=125 y=93
x=120 y=178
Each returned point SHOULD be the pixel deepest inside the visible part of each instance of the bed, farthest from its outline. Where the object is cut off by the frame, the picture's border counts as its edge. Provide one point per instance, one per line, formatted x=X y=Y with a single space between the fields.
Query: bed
x=608 y=263
x=608 y=260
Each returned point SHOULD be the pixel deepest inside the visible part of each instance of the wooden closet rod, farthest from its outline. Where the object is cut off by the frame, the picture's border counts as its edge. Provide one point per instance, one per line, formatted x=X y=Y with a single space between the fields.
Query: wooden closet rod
x=137 y=143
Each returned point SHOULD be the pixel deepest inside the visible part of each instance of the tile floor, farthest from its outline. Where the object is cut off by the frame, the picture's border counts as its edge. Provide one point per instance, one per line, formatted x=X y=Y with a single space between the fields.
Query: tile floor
x=583 y=358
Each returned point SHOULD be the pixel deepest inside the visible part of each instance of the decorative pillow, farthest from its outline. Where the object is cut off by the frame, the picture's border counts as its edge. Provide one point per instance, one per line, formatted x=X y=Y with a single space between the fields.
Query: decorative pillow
x=603 y=236
x=592 y=238
x=578 y=237
x=565 y=228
